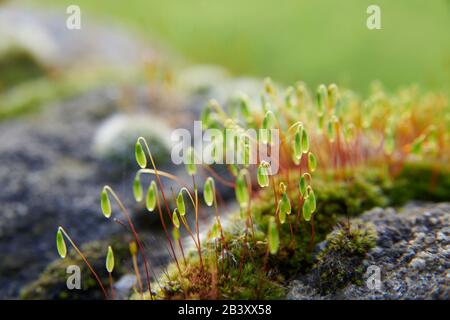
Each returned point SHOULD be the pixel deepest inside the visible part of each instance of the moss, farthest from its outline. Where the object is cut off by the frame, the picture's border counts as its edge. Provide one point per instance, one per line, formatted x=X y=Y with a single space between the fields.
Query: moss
x=340 y=262
x=257 y=277
x=18 y=66
x=420 y=181
x=51 y=284
x=249 y=273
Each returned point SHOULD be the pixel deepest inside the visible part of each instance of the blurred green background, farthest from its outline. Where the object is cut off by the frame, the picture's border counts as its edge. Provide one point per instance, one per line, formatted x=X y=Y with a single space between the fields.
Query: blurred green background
x=315 y=41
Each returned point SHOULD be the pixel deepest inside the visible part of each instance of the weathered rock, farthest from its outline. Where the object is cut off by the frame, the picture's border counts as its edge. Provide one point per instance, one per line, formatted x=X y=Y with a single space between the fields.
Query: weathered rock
x=49 y=177
x=44 y=35
x=412 y=254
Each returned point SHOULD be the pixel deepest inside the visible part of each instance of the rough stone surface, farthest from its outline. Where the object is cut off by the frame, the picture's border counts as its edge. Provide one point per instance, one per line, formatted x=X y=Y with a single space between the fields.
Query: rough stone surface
x=412 y=252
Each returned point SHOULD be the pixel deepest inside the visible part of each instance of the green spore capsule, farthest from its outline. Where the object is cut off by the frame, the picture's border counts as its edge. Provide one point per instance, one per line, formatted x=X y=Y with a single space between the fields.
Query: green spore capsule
x=302 y=185
x=137 y=188
x=105 y=204
x=175 y=220
x=285 y=204
x=306 y=209
x=273 y=236
x=110 y=260
x=245 y=107
x=305 y=141
x=241 y=191
x=281 y=215
x=312 y=201
x=389 y=142
x=321 y=98
x=61 y=244
x=289 y=97
x=180 y=203
x=150 y=201
x=140 y=155
x=416 y=146
x=208 y=191
x=215 y=231
x=267 y=124
x=262 y=175
x=298 y=143
x=191 y=168
x=333 y=94
x=330 y=131
x=312 y=162
x=245 y=152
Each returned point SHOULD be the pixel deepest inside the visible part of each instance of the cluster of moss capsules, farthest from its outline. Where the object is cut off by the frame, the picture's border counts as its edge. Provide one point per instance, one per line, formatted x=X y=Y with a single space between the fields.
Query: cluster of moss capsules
x=283 y=214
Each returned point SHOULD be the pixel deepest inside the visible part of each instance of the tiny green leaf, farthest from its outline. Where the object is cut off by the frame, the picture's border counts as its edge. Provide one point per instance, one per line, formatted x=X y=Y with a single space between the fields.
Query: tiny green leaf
x=105 y=203
x=110 y=260
x=208 y=191
x=140 y=155
x=150 y=201
x=60 y=244
x=137 y=188
x=312 y=162
x=273 y=236
x=175 y=220
x=180 y=203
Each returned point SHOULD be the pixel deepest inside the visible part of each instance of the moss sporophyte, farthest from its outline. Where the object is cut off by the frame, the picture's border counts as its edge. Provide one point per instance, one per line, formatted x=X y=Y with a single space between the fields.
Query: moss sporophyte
x=338 y=155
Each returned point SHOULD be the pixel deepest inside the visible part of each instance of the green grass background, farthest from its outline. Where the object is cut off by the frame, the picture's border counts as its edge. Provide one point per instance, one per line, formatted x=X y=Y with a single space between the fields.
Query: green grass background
x=315 y=41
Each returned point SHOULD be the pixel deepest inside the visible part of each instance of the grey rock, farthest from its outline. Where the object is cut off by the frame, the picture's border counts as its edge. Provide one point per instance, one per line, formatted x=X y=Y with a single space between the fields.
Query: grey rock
x=123 y=288
x=414 y=264
x=418 y=263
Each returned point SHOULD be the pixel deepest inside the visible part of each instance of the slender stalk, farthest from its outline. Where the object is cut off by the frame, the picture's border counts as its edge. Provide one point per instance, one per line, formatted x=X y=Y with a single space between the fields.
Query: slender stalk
x=221 y=230
x=97 y=278
x=113 y=295
x=161 y=218
x=196 y=223
x=312 y=233
x=156 y=172
x=136 y=237
x=138 y=275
